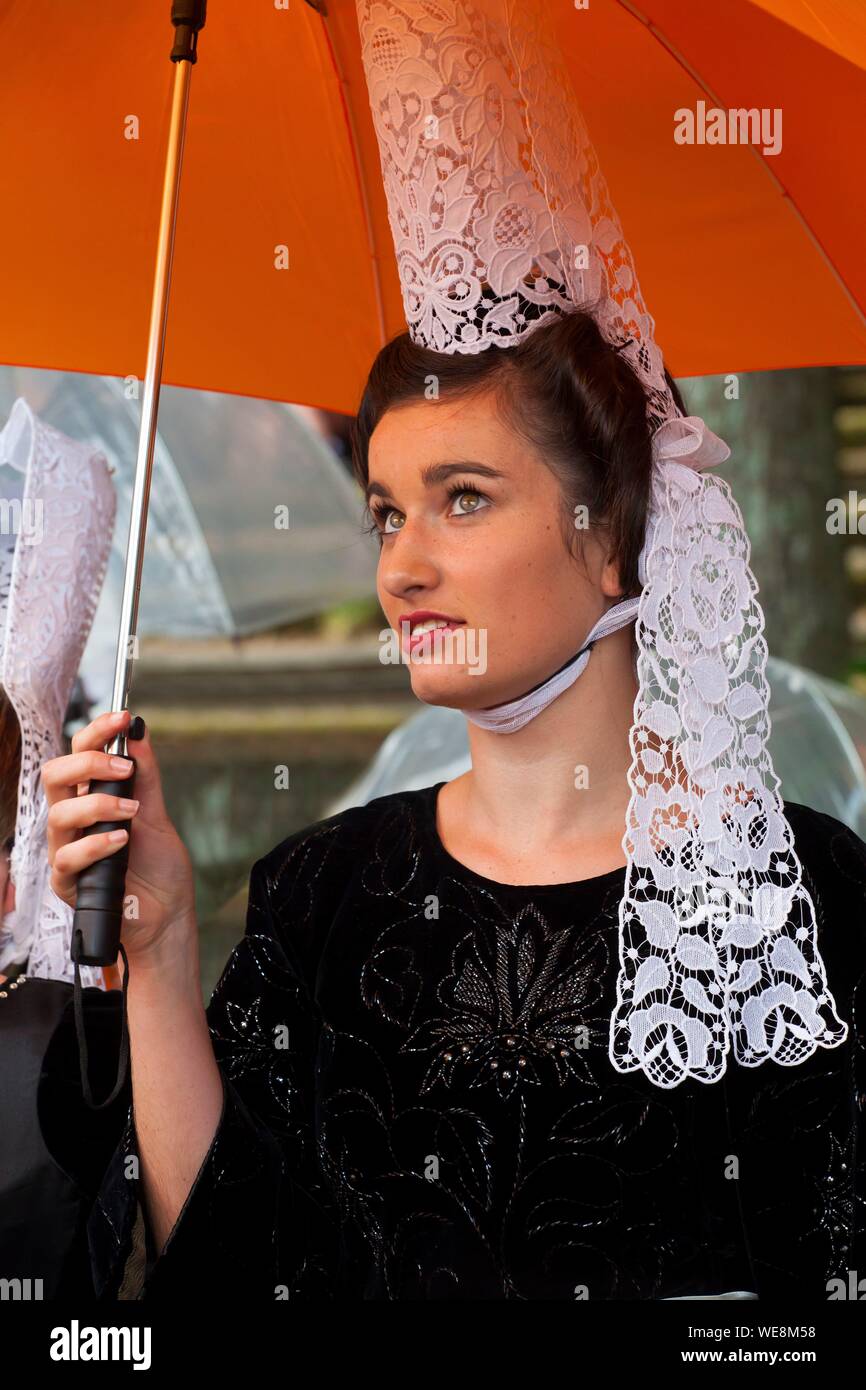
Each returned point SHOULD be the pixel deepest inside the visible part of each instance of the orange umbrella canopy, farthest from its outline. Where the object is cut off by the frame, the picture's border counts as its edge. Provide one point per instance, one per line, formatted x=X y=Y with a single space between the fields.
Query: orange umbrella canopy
x=284 y=282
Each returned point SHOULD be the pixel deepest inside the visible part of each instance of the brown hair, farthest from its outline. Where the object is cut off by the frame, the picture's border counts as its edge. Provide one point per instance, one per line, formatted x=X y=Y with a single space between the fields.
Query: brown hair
x=569 y=393
x=10 y=767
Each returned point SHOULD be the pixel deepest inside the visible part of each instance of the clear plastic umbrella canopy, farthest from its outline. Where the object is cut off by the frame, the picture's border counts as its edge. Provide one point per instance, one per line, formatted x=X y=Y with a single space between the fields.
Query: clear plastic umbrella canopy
x=253 y=520
x=817 y=743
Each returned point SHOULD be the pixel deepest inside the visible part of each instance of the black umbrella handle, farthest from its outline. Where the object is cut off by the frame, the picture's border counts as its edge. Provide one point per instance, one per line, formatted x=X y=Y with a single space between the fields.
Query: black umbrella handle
x=101 y=888
x=187 y=16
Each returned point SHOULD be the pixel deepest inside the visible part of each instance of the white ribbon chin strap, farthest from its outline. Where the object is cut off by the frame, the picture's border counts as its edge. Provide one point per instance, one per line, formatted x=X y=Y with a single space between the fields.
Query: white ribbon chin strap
x=506 y=719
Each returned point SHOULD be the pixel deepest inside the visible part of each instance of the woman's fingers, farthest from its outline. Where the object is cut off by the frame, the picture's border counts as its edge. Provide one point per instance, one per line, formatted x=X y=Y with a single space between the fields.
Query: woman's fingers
x=75 y=855
x=75 y=806
x=78 y=812
x=61 y=776
x=99 y=732
x=148 y=782
x=72 y=807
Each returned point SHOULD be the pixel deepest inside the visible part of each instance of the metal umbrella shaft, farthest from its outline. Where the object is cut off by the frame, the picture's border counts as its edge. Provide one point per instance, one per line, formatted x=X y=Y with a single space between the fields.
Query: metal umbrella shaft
x=101 y=886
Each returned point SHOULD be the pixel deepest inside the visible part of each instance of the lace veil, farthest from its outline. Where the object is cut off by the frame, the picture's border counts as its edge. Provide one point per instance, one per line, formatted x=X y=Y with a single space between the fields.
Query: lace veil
x=500 y=216
x=52 y=565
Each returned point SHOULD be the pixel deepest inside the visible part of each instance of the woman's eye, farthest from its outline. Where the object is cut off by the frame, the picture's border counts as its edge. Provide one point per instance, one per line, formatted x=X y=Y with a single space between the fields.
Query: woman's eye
x=466 y=500
x=474 y=501
x=388 y=516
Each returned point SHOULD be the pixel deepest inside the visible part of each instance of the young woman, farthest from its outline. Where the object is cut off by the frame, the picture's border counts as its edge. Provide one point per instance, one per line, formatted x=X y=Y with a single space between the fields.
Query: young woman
x=402 y=1087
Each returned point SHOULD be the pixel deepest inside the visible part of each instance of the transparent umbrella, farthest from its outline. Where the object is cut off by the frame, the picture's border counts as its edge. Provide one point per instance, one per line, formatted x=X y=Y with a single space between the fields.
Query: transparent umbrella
x=254 y=521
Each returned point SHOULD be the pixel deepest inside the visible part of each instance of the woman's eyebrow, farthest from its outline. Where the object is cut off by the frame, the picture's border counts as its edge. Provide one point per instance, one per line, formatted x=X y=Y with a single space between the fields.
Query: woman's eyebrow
x=435 y=473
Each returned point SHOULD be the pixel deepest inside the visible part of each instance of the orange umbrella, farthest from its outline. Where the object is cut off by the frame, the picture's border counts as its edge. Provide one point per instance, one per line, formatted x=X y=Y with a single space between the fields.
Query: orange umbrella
x=281 y=152
x=285 y=285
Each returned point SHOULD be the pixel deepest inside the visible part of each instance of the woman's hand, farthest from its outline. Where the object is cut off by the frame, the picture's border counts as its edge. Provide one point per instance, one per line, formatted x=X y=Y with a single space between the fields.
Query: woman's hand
x=159 y=882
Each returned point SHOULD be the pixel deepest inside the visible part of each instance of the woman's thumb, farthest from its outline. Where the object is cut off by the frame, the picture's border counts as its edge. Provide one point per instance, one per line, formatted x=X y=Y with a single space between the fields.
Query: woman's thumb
x=148 y=783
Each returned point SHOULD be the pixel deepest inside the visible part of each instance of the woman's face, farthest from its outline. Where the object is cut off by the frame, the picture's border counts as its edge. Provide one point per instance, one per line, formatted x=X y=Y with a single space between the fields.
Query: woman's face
x=470 y=520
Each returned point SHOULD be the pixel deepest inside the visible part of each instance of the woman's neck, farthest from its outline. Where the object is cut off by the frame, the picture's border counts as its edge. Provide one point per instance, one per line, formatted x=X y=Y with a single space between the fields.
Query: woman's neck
x=556 y=789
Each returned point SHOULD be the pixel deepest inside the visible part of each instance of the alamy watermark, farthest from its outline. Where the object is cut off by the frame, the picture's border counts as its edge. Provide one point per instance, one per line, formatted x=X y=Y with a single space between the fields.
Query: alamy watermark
x=447 y=646
x=22 y=517
x=846 y=518
x=77 y=1343
x=736 y=125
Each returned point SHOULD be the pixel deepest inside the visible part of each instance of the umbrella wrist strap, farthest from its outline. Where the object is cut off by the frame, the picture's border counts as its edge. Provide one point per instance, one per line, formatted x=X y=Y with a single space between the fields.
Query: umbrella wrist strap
x=123 y=1057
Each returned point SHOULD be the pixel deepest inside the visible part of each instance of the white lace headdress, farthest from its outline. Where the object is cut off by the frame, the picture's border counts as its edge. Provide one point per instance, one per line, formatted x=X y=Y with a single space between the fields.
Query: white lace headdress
x=500 y=216
x=52 y=564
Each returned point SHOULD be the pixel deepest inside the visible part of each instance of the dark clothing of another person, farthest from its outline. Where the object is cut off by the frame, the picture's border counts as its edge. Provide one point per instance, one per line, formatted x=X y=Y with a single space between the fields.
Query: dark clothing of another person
x=53 y=1148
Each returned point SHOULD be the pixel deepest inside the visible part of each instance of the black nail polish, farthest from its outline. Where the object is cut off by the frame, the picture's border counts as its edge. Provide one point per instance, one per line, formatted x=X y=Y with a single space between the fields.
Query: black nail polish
x=136 y=728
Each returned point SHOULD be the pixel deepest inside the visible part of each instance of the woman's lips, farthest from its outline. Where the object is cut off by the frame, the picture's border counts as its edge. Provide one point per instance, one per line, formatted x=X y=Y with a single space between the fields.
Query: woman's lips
x=409 y=639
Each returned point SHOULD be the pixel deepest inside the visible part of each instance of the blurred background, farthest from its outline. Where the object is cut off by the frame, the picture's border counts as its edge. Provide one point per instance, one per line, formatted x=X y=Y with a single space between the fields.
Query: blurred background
x=258 y=666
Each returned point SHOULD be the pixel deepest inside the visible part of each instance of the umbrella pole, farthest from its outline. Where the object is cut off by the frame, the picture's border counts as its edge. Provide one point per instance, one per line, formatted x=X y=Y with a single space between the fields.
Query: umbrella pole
x=100 y=889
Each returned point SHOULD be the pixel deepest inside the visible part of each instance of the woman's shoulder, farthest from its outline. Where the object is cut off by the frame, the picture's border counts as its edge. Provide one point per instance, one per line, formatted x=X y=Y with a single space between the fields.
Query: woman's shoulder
x=297 y=889
x=826 y=845
x=833 y=860
x=330 y=849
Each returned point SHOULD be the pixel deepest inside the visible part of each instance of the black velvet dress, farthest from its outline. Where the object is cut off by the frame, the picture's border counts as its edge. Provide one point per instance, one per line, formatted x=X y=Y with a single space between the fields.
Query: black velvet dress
x=407 y=1114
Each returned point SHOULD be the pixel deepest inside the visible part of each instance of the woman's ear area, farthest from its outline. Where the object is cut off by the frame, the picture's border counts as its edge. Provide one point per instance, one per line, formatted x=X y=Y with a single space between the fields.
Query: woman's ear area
x=609 y=580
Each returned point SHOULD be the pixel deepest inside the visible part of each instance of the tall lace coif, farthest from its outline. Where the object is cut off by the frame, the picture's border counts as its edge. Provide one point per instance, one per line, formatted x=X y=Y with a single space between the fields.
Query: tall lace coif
x=51 y=573
x=501 y=216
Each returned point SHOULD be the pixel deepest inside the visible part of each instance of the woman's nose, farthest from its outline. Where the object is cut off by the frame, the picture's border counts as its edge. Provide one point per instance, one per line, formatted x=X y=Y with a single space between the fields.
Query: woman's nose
x=405 y=565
